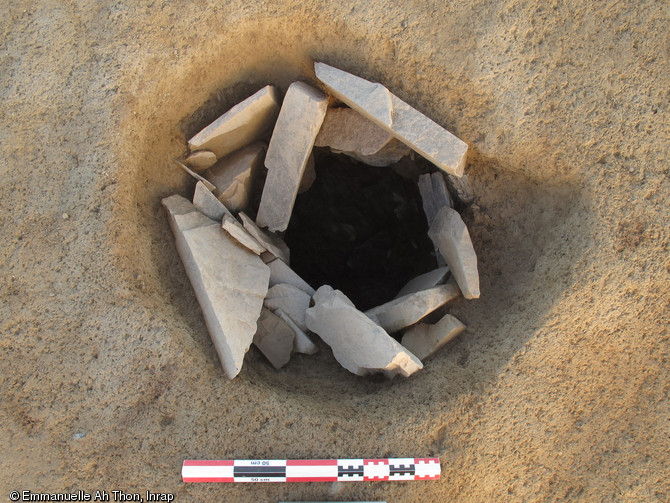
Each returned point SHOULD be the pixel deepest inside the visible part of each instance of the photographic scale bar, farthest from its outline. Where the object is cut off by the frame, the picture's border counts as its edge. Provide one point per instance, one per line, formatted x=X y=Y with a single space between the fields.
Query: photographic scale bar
x=311 y=470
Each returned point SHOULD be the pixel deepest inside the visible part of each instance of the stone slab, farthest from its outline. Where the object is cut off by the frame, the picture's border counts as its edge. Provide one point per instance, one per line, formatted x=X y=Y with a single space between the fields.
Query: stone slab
x=195 y=175
x=280 y=273
x=392 y=152
x=300 y=118
x=274 y=338
x=200 y=160
x=359 y=345
x=291 y=300
x=271 y=242
x=405 y=311
x=234 y=176
x=424 y=281
x=207 y=203
x=230 y=283
x=410 y=126
x=240 y=234
x=425 y=340
x=347 y=132
x=434 y=196
x=243 y=124
x=450 y=235
x=302 y=342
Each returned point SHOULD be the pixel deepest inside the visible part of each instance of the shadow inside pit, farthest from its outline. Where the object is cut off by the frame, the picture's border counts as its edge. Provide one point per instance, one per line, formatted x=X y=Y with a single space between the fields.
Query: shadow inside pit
x=360 y=229
x=519 y=228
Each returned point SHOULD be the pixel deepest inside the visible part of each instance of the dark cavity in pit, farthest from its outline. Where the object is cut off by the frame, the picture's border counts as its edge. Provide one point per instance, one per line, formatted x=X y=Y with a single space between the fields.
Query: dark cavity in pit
x=360 y=229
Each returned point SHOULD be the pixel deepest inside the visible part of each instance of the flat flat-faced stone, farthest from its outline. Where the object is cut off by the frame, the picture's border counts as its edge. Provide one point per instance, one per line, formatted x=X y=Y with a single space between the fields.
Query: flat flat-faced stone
x=234 y=176
x=300 y=118
x=440 y=190
x=407 y=310
x=347 y=132
x=201 y=160
x=291 y=300
x=240 y=234
x=424 y=281
x=431 y=205
x=450 y=235
x=302 y=342
x=195 y=175
x=392 y=152
x=280 y=273
x=434 y=196
x=230 y=283
x=243 y=124
x=410 y=126
x=207 y=203
x=274 y=338
x=271 y=242
x=360 y=345
x=425 y=340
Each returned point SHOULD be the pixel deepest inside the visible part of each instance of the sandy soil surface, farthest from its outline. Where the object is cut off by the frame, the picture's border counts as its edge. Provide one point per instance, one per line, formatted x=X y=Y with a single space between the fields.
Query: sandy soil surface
x=559 y=388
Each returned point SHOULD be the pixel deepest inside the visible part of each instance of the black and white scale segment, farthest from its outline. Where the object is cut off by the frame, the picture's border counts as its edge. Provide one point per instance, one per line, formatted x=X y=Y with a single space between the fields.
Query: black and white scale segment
x=314 y=470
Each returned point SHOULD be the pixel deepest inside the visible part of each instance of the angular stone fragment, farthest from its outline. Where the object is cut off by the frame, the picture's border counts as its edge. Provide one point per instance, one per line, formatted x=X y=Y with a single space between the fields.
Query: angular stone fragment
x=291 y=300
x=407 y=310
x=424 y=281
x=280 y=273
x=274 y=338
x=230 y=283
x=299 y=120
x=234 y=176
x=272 y=243
x=440 y=190
x=426 y=190
x=424 y=340
x=434 y=194
x=347 y=132
x=410 y=126
x=392 y=152
x=201 y=160
x=207 y=203
x=240 y=234
x=461 y=189
x=450 y=235
x=302 y=342
x=195 y=175
x=243 y=124
x=361 y=346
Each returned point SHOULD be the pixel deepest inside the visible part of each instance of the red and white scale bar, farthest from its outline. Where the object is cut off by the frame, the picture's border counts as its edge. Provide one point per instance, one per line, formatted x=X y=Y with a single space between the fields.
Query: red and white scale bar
x=311 y=470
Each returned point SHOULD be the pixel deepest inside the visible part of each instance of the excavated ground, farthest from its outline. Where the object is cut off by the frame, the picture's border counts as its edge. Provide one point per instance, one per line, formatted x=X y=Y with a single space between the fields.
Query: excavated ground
x=559 y=388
